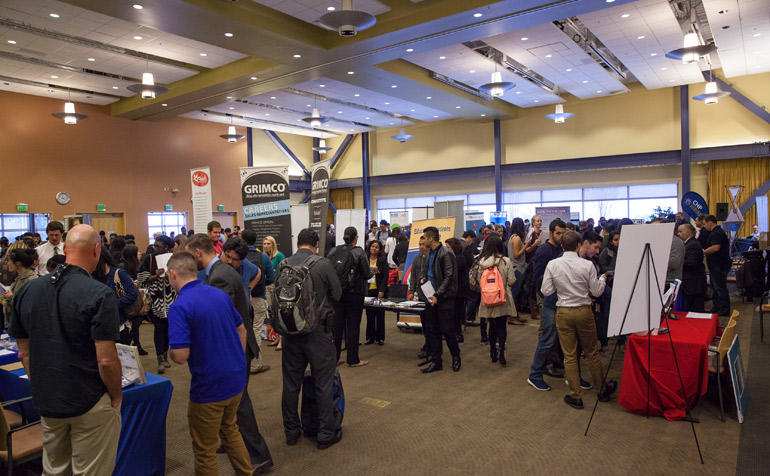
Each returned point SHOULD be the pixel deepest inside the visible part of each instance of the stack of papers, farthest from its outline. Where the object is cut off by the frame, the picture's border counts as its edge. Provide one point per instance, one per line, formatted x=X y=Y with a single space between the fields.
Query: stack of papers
x=698 y=315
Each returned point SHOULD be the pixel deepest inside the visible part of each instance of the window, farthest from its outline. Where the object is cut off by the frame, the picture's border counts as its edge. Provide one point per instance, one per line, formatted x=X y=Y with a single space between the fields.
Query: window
x=605 y=208
x=384 y=203
x=413 y=202
x=532 y=196
x=165 y=222
x=524 y=211
x=481 y=199
x=563 y=195
x=604 y=193
x=643 y=208
x=652 y=191
x=450 y=198
x=15 y=224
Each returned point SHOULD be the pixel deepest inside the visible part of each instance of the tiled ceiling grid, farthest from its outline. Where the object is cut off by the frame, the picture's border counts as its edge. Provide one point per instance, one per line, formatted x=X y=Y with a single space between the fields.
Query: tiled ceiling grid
x=546 y=50
x=742 y=33
x=311 y=10
x=462 y=64
x=639 y=34
x=258 y=123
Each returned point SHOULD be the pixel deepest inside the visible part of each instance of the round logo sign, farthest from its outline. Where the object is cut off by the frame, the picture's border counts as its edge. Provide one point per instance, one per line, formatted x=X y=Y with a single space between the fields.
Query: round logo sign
x=200 y=178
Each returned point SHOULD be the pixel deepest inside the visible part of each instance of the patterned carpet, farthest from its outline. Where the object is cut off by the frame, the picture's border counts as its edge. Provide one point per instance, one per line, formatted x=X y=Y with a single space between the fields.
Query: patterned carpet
x=484 y=419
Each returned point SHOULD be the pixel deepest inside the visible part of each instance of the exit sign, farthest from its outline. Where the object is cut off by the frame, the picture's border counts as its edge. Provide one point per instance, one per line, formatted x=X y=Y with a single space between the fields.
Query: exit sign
x=169 y=208
x=101 y=207
x=22 y=207
x=221 y=208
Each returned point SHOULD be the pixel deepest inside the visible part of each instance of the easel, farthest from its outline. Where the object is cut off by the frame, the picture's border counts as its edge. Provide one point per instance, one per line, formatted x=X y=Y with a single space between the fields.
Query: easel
x=647 y=260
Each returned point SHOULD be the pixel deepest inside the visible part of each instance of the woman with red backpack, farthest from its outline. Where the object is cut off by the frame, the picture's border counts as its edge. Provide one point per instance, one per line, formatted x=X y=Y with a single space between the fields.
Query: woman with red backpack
x=497 y=304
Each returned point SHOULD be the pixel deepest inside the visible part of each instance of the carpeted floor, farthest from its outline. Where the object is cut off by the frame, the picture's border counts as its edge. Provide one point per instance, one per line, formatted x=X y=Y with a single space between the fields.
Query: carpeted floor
x=484 y=419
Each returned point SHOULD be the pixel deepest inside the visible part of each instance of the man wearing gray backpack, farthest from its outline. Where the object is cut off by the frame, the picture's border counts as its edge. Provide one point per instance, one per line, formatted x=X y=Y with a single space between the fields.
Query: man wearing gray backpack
x=310 y=346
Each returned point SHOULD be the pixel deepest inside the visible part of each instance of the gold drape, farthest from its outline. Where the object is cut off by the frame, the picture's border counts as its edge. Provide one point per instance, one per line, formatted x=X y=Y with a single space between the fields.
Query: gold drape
x=751 y=173
x=342 y=198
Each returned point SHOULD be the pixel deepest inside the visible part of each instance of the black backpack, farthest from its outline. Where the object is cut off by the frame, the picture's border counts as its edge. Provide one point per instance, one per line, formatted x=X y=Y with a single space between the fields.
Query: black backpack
x=295 y=310
x=345 y=265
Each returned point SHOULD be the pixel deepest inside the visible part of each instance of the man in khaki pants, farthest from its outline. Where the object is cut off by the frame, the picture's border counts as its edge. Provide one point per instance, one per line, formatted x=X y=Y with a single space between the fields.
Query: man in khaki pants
x=574 y=280
x=68 y=323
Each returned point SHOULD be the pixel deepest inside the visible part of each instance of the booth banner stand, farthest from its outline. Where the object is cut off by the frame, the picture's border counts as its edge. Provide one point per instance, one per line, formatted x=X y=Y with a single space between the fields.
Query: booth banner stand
x=474 y=222
x=694 y=204
x=498 y=218
x=354 y=218
x=648 y=286
x=266 y=204
x=549 y=214
x=319 y=201
x=201 y=198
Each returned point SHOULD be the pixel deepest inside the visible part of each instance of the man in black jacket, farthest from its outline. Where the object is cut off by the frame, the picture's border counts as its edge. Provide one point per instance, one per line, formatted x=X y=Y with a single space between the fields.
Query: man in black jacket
x=693 y=271
x=441 y=272
x=224 y=277
x=315 y=348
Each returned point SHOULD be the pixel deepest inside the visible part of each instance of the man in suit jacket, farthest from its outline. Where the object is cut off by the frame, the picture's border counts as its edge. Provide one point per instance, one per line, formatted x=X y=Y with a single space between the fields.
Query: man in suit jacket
x=224 y=277
x=693 y=271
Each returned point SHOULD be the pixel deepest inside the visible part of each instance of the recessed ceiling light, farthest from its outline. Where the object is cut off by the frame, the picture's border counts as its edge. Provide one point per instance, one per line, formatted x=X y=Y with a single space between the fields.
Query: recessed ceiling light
x=204 y=54
x=476 y=15
x=387 y=103
x=137 y=6
x=298 y=56
x=91 y=59
x=548 y=56
x=115 y=87
x=164 y=104
x=137 y=37
x=12 y=42
x=409 y=50
x=757 y=34
x=412 y=110
x=457 y=107
x=229 y=35
x=394 y=86
x=625 y=15
x=524 y=39
x=339 y=112
x=53 y=76
x=442 y=57
x=54 y=15
x=253 y=78
x=483 y=115
x=272 y=97
x=428 y=97
x=640 y=37
x=330 y=9
x=391 y=123
x=356 y=95
x=232 y=108
x=537 y=100
x=518 y=92
x=267 y=113
x=351 y=72
x=568 y=70
x=366 y=118
x=321 y=85
x=599 y=91
x=653 y=54
x=663 y=69
x=610 y=1
x=671 y=80
x=435 y=116
x=229 y=97
x=585 y=81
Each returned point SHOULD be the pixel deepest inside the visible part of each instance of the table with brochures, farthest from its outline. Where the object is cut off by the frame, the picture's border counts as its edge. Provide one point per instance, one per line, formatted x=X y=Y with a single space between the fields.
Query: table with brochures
x=406 y=307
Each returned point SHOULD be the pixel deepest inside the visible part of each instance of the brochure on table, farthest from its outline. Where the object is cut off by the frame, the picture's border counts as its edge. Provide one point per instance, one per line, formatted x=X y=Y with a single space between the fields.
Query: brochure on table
x=131 y=365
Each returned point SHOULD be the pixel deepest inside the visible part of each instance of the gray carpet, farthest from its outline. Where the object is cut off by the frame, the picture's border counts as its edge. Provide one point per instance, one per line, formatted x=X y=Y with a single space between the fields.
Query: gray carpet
x=484 y=419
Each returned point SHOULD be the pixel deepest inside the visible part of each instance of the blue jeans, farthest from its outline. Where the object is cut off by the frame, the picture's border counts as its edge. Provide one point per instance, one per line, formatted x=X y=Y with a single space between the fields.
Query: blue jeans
x=545 y=344
x=517 y=285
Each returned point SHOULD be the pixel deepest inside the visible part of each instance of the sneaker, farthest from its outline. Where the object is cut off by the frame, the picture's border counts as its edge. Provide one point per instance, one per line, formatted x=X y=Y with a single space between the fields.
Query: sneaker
x=610 y=387
x=539 y=384
x=324 y=445
x=576 y=403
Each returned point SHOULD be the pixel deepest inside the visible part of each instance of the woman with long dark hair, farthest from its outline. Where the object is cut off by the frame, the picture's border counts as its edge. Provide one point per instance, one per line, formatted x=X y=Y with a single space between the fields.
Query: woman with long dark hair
x=162 y=296
x=122 y=285
x=377 y=286
x=21 y=262
x=517 y=251
x=493 y=254
x=130 y=262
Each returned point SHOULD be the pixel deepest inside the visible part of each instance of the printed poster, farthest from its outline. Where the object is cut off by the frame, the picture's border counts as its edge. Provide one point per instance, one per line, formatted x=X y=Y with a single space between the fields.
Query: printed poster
x=319 y=200
x=266 y=204
x=201 y=198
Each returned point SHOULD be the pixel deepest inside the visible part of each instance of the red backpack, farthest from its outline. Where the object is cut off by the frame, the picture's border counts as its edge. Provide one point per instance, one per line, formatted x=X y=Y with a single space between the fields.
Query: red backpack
x=492 y=287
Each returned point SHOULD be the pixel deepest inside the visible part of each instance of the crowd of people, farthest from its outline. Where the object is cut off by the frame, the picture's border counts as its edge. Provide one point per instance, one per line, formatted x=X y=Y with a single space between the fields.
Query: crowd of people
x=210 y=305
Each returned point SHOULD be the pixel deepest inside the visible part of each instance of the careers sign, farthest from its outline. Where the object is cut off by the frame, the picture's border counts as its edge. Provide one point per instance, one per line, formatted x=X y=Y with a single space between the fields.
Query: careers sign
x=319 y=201
x=266 y=204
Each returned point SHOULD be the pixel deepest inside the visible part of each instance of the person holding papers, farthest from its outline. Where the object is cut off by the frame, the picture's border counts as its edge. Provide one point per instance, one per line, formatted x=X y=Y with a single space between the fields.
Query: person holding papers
x=439 y=290
x=574 y=280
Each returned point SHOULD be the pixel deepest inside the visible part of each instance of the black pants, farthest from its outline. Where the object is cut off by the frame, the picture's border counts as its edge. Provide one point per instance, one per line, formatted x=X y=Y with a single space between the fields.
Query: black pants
x=316 y=349
x=375 y=320
x=125 y=336
x=721 y=296
x=136 y=321
x=347 y=319
x=483 y=327
x=498 y=331
x=425 y=333
x=472 y=306
x=693 y=302
x=161 y=334
x=459 y=314
x=247 y=422
x=440 y=320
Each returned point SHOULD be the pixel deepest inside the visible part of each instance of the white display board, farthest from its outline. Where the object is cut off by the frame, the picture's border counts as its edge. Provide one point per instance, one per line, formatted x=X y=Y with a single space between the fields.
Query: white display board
x=422 y=213
x=633 y=240
x=300 y=215
x=548 y=214
x=346 y=218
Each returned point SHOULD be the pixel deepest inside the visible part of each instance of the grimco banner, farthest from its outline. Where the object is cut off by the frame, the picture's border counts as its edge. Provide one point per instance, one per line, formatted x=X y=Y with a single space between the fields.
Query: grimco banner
x=266 y=204
x=319 y=201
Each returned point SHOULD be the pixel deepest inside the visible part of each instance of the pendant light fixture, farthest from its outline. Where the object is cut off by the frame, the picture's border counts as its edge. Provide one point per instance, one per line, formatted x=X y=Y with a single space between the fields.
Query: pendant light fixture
x=69 y=115
x=712 y=94
x=231 y=136
x=315 y=119
x=346 y=21
x=692 y=51
x=497 y=87
x=402 y=136
x=322 y=149
x=148 y=89
x=559 y=116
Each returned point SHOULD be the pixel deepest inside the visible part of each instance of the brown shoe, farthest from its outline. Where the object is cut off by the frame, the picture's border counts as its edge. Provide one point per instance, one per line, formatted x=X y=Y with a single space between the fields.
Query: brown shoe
x=261 y=369
x=516 y=322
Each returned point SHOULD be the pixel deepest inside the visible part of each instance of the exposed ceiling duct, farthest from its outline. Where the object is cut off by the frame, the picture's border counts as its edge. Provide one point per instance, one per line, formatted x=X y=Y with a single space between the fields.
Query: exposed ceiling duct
x=588 y=42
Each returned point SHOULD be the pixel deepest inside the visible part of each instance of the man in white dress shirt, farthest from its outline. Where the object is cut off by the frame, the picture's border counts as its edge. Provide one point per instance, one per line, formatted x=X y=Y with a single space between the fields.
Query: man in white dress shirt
x=574 y=280
x=51 y=248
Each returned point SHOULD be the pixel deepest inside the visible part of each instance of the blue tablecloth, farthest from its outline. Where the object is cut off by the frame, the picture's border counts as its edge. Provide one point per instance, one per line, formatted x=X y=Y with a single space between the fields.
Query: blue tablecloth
x=9 y=358
x=142 y=446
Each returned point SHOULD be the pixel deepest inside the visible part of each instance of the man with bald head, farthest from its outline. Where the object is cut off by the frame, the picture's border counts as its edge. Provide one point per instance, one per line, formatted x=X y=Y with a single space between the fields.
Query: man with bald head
x=66 y=325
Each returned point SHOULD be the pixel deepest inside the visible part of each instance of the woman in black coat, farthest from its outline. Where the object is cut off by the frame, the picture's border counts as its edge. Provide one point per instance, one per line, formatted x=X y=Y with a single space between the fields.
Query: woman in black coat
x=377 y=286
x=463 y=287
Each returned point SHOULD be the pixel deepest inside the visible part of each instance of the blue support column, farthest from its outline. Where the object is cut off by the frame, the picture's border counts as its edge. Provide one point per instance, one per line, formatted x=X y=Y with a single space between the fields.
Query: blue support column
x=316 y=154
x=684 y=105
x=498 y=168
x=365 y=173
x=249 y=146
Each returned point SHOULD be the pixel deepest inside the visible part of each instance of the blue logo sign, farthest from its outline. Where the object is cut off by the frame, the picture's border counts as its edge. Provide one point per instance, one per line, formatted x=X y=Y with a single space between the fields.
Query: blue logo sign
x=693 y=205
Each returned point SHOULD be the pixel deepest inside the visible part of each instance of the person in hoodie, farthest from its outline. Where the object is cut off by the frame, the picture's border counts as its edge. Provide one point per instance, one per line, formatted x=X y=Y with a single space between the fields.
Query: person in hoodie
x=493 y=254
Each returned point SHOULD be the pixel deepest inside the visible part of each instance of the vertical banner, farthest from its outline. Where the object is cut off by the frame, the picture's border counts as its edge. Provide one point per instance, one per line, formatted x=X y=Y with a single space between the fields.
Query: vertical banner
x=266 y=204
x=201 y=198
x=319 y=201
x=474 y=221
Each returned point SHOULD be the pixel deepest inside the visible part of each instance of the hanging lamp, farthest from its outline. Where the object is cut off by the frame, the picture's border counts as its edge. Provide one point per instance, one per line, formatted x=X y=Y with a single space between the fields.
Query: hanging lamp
x=497 y=87
x=231 y=136
x=315 y=119
x=346 y=21
x=148 y=89
x=69 y=115
x=712 y=94
x=559 y=116
x=322 y=149
x=402 y=136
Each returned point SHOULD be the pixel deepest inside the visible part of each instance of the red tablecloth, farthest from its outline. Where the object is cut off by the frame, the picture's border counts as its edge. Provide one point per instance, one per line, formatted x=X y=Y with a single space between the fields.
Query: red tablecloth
x=691 y=338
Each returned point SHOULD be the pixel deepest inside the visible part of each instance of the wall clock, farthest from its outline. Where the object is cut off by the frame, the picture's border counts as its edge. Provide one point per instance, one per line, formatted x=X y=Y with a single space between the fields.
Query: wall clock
x=62 y=198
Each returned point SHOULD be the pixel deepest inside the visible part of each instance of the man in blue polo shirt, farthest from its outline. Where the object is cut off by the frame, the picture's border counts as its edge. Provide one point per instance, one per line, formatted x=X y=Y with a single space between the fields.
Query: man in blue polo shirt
x=207 y=332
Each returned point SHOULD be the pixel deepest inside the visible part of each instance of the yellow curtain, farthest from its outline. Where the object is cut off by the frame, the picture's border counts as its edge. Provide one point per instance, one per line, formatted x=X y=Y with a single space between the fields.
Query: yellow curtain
x=342 y=198
x=751 y=173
